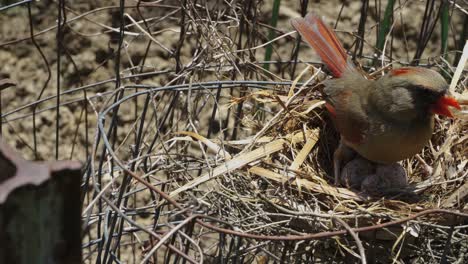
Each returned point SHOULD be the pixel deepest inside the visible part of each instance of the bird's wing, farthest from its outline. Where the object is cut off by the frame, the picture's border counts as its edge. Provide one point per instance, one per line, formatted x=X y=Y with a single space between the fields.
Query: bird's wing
x=347 y=109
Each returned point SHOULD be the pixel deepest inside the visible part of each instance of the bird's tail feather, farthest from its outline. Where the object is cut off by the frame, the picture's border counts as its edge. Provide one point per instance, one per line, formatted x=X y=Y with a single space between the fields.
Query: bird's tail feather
x=324 y=41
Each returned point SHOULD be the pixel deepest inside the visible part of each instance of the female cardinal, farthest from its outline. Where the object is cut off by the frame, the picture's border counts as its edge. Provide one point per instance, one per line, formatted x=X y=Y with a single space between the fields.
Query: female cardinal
x=384 y=120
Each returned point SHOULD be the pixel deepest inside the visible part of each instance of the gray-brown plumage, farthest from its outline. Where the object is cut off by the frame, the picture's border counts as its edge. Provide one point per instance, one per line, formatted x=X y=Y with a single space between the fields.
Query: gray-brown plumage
x=384 y=120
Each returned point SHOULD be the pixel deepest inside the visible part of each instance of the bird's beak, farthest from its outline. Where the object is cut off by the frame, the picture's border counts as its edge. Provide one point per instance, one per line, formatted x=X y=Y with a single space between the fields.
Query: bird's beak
x=441 y=106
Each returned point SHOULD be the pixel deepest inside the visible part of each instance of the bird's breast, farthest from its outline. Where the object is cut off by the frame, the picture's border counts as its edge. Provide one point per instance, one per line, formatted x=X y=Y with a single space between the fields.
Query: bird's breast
x=388 y=143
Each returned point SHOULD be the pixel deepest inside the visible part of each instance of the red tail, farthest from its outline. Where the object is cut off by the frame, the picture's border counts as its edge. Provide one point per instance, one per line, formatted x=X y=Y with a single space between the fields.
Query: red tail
x=324 y=41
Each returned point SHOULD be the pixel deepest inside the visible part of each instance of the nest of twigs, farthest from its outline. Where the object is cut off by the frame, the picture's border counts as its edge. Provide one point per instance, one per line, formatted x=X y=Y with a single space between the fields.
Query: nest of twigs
x=278 y=181
x=275 y=184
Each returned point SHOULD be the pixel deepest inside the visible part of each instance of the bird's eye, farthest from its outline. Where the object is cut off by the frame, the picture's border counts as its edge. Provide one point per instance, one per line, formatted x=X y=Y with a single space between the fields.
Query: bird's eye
x=421 y=88
x=426 y=94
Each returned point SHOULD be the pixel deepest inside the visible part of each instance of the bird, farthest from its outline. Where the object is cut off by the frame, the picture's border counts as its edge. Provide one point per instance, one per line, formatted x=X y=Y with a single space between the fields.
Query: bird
x=384 y=120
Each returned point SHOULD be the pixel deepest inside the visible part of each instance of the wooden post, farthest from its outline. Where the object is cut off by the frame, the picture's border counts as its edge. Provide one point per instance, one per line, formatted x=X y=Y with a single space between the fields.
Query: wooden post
x=40 y=210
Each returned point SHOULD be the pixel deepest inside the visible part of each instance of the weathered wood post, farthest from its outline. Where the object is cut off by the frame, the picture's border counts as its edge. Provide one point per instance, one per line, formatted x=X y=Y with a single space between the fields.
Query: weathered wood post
x=39 y=210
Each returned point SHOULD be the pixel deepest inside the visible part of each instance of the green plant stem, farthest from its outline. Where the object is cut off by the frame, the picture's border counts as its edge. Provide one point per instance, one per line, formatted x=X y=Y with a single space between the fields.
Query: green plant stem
x=444 y=22
x=385 y=26
x=272 y=33
x=444 y=28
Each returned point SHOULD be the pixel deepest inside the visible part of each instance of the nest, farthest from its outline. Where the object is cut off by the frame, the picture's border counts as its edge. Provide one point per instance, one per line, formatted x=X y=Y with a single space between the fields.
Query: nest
x=277 y=182
x=271 y=189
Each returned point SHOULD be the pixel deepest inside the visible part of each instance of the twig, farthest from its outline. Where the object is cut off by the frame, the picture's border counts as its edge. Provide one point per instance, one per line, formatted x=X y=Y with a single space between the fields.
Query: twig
x=362 y=253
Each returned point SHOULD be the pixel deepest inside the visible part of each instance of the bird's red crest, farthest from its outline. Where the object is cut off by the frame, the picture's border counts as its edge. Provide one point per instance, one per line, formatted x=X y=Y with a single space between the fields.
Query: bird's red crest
x=402 y=71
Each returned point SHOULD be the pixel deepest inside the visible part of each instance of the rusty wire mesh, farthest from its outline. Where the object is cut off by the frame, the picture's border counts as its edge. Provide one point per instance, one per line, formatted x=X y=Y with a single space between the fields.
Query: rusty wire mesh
x=164 y=98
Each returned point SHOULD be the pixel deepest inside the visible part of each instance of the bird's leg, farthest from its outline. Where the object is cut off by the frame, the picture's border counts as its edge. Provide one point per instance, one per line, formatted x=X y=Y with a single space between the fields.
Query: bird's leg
x=428 y=170
x=342 y=155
